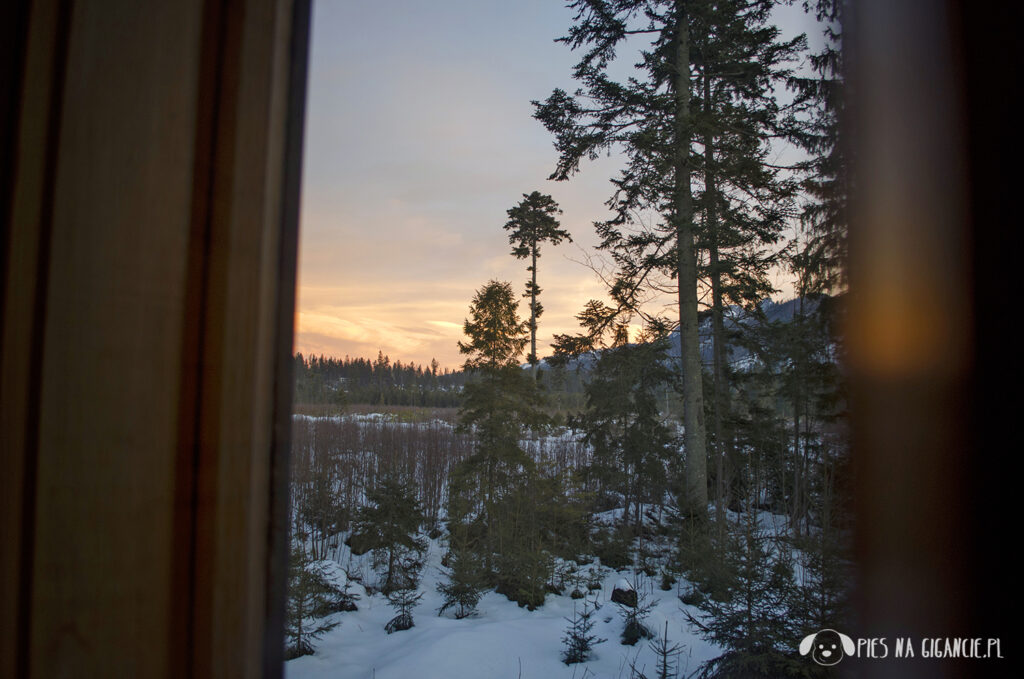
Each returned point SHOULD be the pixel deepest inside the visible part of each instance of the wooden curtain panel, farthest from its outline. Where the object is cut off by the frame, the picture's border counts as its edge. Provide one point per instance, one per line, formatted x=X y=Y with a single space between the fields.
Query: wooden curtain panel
x=149 y=244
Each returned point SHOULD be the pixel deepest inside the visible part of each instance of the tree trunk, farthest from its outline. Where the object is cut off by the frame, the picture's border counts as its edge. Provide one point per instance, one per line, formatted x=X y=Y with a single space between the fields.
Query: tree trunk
x=533 y=312
x=794 y=519
x=798 y=399
x=696 y=491
x=720 y=393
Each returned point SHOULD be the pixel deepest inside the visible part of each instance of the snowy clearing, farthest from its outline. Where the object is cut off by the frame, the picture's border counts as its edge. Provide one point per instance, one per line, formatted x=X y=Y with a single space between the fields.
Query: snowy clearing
x=502 y=640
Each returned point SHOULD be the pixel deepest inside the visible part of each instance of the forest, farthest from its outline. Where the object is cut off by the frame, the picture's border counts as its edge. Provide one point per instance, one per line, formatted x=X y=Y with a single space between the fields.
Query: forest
x=674 y=477
x=333 y=381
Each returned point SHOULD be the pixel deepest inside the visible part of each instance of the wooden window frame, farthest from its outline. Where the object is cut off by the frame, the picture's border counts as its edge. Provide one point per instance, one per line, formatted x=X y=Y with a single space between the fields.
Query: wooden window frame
x=150 y=190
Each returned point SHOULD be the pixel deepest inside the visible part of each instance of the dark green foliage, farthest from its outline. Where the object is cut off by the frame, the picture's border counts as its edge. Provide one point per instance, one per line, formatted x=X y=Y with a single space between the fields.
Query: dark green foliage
x=564 y=576
x=536 y=523
x=700 y=105
x=631 y=442
x=501 y=506
x=403 y=601
x=752 y=619
x=705 y=554
x=498 y=404
x=745 y=202
x=651 y=237
x=612 y=546
x=667 y=580
x=399 y=623
x=692 y=596
x=339 y=600
x=815 y=126
x=822 y=599
x=522 y=575
x=310 y=595
x=495 y=334
x=531 y=223
x=389 y=525
x=667 y=655
x=466 y=582
x=578 y=639
x=349 y=381
x=633 y=616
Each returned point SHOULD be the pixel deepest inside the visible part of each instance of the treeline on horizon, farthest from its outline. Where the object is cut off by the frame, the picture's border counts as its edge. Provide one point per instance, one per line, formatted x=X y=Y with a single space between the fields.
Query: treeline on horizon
x=347 y=381
x=327 y=380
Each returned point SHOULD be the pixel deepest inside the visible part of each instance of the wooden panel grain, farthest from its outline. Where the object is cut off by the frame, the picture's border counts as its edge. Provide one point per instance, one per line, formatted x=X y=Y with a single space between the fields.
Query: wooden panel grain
x=240 y=337
x=112 y=343
x=147 y=301
x=26 y=250
x=277 y=528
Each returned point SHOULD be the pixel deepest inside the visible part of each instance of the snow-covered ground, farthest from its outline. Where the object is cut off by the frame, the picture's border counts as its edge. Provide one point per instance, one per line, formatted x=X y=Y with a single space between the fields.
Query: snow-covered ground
x=502 y=640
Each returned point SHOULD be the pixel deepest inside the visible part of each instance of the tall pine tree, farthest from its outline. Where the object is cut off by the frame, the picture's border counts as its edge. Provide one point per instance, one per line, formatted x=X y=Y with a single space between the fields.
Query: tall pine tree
x=745 y=203
x=531 y=223
x=649 y=117
x=487 y=489
x=815 y=127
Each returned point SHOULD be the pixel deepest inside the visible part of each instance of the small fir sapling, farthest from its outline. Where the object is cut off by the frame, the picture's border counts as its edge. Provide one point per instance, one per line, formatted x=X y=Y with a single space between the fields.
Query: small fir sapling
x=579 y=640
x=403 y=601
x=634 y=610
x=466 y=584
x=667 y=655
x=310 y=593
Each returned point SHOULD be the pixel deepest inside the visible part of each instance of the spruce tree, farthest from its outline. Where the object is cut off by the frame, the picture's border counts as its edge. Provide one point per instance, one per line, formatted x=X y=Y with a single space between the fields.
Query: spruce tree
x=751 y=620
x=403 y=601
x=633 y=615
x=623 y=424
x=536 y=523
x=310 y=595
x=486 y=490
x=499 y=403
x=579 y=639
x=649 y=117
x=815 y=127
x=745 y=202
x=667 y=654
x=531 y=223
x=466 y=581
x=389 y=525
x=813 y=378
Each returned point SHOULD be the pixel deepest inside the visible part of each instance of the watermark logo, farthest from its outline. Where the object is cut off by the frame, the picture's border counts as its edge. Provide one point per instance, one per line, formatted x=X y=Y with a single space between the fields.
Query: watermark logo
x=827 y=646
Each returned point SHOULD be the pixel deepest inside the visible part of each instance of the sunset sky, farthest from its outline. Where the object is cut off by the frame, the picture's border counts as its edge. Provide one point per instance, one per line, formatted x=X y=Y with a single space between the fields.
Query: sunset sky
x=419 y=137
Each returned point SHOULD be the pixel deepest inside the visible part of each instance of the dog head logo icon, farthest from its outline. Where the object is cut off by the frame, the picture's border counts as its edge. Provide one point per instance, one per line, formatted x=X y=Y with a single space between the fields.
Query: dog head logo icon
x=827 y=646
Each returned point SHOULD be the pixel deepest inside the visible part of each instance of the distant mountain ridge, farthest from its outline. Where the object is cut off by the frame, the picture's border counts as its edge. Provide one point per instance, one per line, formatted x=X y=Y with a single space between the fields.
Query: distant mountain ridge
x=773 y=312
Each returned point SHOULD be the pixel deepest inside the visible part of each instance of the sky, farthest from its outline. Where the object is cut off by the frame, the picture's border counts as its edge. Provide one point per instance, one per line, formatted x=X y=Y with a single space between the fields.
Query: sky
x=419 y=136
